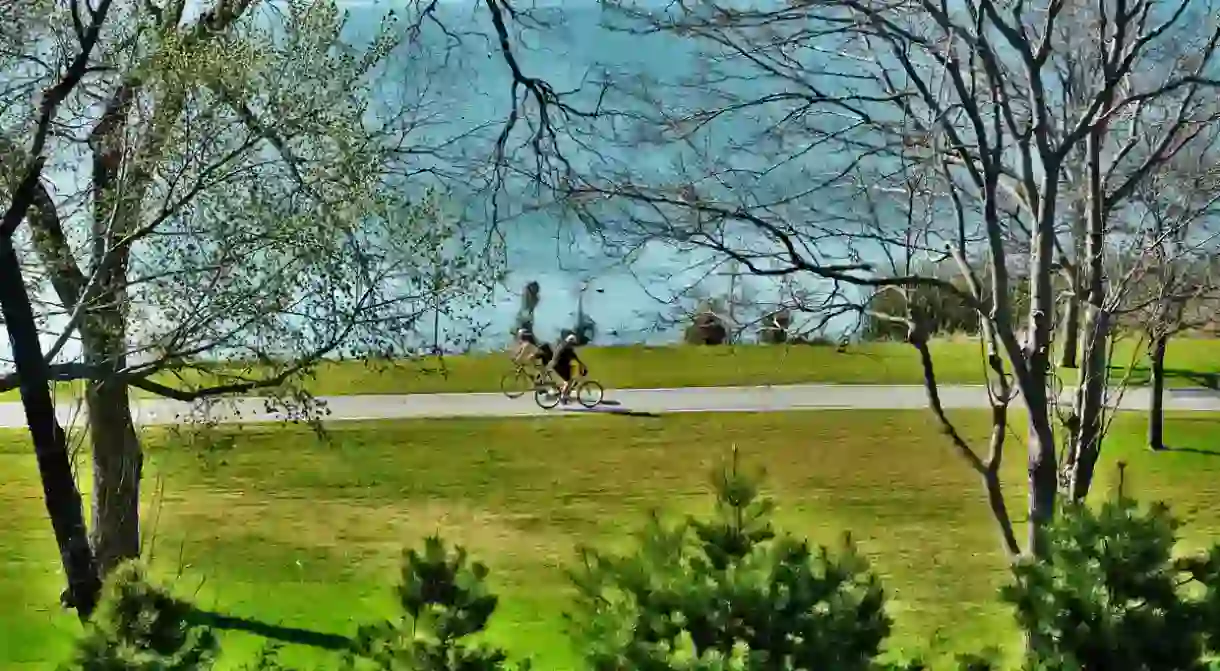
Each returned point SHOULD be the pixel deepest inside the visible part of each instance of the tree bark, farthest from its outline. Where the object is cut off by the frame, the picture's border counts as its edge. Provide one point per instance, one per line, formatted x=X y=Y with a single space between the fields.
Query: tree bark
x=1085 y=446
x=62 y=498
x=1069 y=352
x=1156 y=409
x=1042 y=466
x=117 y=458
x=1090 y=401
x=1043 y=476
x=1070 y=347
x=117 y=468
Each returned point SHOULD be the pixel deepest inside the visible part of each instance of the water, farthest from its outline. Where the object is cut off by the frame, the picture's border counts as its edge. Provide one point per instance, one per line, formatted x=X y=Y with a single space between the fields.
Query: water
x=635 y=298
x=632 y=300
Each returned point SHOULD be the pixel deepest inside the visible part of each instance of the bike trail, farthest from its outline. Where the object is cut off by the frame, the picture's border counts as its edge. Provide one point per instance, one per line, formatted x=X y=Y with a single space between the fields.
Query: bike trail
x=620 y=401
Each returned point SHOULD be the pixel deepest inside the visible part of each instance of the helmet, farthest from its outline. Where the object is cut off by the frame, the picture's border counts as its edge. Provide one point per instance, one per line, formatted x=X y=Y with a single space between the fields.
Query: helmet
x=570 y=338
x=522 y=332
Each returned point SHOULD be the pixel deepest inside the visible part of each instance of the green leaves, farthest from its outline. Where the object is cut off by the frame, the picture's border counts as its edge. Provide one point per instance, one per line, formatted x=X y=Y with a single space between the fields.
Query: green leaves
x=1109 y=594
x=438 y=579
x=728 y=593
x=446 y=601
x=139 y=627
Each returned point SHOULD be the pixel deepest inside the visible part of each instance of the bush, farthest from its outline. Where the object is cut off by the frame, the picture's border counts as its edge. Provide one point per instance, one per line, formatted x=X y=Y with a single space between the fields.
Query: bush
x=1109 y=594
x=140 y=626
x=774 y=330
x=727 y=593
x=445 y=602
x=706 y=329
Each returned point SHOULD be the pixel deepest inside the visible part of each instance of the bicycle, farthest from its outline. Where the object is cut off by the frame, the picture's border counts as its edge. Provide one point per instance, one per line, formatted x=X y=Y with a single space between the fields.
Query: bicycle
x=519 y=380
x=588 y=392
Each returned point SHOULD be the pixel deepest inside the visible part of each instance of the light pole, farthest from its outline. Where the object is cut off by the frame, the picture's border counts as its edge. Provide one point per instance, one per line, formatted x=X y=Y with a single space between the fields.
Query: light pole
x=732 y=273
x=580 y=301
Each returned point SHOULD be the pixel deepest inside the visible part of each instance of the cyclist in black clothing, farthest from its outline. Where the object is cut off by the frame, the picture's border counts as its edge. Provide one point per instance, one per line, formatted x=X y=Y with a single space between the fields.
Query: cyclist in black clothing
x=565 y=356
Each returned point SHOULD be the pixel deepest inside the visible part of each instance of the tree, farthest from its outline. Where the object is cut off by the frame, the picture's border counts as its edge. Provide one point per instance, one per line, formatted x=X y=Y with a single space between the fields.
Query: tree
x=22 y=178
x=727 y=592
x=584 y=326
x=139 y=627
x=445 y=603
x=707 y=325
x=1176 y=284
x=1111 y=593
x=943 y=135
x=201 y=240
x=775 y=327
x=243 y=199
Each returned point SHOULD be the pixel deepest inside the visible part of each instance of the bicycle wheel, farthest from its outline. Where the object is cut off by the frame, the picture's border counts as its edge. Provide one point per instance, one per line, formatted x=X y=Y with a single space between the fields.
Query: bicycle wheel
x=515 y=383
x=590 y=393
x=546 y=395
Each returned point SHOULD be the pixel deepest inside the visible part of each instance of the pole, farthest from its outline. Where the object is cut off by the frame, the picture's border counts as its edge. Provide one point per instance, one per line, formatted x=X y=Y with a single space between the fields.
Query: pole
x=731 y=308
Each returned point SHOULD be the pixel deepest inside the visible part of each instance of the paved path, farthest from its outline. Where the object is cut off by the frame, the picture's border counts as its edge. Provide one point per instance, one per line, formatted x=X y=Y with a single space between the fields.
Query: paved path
x=627 y=401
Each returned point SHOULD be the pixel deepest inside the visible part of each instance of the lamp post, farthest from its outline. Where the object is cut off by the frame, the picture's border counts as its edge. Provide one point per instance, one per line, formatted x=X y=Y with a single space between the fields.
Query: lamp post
x=733 y=273
x=580 y=301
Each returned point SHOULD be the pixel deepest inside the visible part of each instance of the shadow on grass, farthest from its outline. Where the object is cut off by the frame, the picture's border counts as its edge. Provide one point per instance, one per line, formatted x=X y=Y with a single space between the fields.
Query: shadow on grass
x=606 y=409
x=276 y=632
x=1192 y=450
x=1142 y=375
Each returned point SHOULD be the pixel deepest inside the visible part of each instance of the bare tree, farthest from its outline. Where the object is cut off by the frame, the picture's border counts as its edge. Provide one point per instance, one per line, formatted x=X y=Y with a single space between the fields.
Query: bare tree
x=823 y=139
x=1176 y=286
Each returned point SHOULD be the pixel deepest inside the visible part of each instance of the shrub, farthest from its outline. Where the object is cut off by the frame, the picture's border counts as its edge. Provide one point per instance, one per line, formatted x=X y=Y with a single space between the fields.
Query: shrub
x=140 y=626
x=1109 y=594
x=445 y=602
x=775 y=326
x=706 y=328
x=727 y=593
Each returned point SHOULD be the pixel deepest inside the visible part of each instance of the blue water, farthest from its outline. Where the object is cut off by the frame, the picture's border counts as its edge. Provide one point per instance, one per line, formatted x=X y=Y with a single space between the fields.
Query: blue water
x=636 y=298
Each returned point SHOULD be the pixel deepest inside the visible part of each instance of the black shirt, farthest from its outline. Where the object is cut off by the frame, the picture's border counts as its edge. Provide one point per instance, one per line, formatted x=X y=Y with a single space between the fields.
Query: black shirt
x=565 y=355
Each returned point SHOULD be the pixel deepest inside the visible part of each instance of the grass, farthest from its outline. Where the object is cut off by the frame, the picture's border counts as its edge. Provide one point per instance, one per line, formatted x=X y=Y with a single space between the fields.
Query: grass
x=299 y=538
x=1190 y=362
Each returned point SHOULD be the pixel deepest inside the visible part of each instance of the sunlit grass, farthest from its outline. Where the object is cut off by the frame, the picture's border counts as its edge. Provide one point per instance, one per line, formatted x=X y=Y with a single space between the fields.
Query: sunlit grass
x=287 y=530
x=1191 y=362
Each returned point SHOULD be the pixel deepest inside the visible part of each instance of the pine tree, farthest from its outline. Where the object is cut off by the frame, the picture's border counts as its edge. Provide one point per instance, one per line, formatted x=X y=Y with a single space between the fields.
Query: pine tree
x=727 y=593
x=140 y=627
x=1110 y=595
x=445 y=600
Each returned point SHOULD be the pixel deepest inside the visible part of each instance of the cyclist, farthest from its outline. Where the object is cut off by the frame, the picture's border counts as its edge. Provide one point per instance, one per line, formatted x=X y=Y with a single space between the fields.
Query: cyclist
x=562 y=362
x=529 y=349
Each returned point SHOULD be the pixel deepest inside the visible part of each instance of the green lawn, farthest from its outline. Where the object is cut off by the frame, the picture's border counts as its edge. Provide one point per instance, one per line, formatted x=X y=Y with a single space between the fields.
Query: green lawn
x=1191 y=362
x=283 y=530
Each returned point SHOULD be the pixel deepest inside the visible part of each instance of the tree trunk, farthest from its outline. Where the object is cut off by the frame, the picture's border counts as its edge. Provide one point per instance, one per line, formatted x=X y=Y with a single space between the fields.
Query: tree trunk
x=1069 y=353
x=62 y=498
x=1156 y=409
x=1090 y=402
x=117 y=458
x=1085 y=446
x=117 y=468
x=1042 y=466
x=1070 y=346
